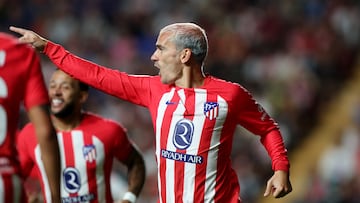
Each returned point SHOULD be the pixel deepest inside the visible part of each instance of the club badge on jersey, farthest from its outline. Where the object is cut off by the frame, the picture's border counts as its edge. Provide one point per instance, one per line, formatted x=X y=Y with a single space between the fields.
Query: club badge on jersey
x=89 y=152
x=211 y=110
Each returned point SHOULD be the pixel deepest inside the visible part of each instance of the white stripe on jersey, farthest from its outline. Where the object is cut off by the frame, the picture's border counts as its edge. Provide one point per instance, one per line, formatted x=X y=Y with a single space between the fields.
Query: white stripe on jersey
x=190 y=168
x=211 y=167
x=79 y=161
x=2 y=190
x=17 y=184
x=100 y=176
x=62 y=161
x=161 y=111
x=170 y=164
x=43 y=174
x=16 y=187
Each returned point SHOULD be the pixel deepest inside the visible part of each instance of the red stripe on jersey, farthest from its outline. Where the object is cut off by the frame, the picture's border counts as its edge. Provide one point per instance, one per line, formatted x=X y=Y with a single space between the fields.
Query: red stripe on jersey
x=8 y=188
x=69 y=153
x=91 y=170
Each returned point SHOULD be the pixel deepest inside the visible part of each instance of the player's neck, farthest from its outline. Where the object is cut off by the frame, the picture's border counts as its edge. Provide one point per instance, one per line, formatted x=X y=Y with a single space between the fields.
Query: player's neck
x=66 y=124
x=192 y=78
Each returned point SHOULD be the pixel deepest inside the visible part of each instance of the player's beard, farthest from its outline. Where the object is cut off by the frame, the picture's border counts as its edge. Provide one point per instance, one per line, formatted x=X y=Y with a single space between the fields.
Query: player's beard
x=66 y=111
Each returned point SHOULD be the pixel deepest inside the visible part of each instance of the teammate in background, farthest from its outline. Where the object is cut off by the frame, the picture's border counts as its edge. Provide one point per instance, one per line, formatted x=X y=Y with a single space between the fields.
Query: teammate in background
x=194 y=115
x=21 y=81
x=88 y=146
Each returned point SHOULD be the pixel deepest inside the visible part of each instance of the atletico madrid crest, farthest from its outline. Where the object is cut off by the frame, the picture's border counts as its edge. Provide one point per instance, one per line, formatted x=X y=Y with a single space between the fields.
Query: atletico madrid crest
x=89 y=152
x=211 y=110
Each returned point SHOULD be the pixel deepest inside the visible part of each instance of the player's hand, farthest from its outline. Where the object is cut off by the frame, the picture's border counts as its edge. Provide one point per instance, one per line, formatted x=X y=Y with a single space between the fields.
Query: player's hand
x=278 y=185
x=30 y=37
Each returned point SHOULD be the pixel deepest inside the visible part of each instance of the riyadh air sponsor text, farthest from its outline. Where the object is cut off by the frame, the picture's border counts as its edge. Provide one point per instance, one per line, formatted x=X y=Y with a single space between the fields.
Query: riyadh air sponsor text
x=195 y=159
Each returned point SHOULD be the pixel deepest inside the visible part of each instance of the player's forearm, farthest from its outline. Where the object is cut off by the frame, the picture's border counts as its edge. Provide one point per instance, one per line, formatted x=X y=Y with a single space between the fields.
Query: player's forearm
x=46 y=137
x=136 y=174
x=275 y=147
x=50 y=157
x=95 y=75
x=111 y=81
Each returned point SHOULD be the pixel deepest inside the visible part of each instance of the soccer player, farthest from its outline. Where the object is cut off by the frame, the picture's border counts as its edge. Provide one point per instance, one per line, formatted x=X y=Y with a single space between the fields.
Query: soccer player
x=88 y=146
x=194 y=115
x=21 y=81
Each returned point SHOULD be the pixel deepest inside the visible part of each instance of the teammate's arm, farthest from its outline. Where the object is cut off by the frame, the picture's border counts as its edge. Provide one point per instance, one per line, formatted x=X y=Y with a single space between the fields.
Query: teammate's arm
x=136 y=173
x=46 y=137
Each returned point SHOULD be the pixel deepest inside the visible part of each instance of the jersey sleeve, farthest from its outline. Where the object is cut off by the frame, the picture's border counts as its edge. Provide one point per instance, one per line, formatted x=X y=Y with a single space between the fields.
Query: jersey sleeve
x=122 y=145
x=24 y=143
x=35 y=88
x=253 y=117
x=132 y=88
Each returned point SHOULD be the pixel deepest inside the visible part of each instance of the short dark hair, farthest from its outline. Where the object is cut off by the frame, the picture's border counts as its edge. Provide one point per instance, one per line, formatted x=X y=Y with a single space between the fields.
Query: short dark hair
x=83 y=86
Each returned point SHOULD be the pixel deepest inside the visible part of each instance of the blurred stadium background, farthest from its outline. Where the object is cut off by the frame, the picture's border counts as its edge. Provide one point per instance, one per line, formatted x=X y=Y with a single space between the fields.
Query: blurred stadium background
x=299 y=58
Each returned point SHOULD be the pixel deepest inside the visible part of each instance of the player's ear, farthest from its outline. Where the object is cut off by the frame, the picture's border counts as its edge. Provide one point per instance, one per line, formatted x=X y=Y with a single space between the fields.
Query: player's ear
x=185 y=55
x=83 y=96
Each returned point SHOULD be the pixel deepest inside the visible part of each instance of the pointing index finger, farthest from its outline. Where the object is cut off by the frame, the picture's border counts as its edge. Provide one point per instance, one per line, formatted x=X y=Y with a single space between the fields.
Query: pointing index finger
x=17 y=29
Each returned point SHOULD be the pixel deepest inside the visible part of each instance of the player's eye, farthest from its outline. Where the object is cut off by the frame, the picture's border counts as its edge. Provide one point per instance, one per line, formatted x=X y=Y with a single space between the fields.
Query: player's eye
x=52 y=86
x=66 y=87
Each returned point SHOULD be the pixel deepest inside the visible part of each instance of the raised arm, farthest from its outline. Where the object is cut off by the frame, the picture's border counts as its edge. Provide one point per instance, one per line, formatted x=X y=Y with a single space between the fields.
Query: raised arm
x=131 y=88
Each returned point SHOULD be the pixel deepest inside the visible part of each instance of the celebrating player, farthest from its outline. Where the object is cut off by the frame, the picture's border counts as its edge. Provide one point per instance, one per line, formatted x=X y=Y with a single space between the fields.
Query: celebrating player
x=21 y=80
x=88 y=146
x=194 y=115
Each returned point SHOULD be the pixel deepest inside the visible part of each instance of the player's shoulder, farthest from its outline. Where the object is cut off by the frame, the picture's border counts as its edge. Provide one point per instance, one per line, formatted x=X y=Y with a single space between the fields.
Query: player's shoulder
x=28 y=126
x=225 y=84
x=98 y=120
x=7 y=38
x=27 y=131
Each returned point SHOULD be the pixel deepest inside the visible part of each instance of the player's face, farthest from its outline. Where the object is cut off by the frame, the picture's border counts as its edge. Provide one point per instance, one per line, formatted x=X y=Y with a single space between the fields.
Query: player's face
x=64 y=94
x=167 y=59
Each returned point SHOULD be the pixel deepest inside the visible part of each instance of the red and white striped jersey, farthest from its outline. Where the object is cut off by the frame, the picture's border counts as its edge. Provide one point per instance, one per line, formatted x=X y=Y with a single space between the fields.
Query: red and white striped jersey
x=21 y=80
x=194 y=127
x=87 y=154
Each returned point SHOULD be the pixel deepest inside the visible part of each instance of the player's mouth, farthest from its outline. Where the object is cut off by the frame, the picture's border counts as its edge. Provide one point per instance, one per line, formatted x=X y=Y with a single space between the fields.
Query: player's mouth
x=156 y=65
x=56 y=102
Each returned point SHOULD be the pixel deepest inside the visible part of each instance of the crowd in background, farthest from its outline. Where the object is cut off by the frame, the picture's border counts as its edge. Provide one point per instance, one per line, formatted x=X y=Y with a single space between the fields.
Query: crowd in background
x=294 y=56
x=335 y=178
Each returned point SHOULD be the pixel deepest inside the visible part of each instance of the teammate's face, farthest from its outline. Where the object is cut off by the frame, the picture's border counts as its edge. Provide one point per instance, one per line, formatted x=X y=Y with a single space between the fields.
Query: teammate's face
x=167 y=59
x=64 y=93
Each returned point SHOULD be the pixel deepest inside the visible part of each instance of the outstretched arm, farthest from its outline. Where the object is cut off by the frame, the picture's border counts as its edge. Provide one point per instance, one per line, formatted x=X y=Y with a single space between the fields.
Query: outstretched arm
x=30 y=37
x=128 y=87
